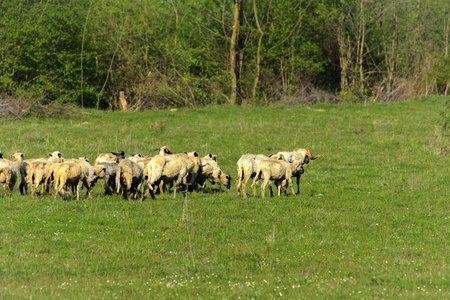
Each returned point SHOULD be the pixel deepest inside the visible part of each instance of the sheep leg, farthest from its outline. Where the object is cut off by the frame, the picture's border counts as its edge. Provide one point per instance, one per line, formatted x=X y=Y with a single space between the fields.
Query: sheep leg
x=88 y=188
x=278 y=185
x=263 y=186
x=11 y=187
x=144 y=192
x=6 y=189
x=22 y=186
x=78 y=189
x=270 y=189
x=152 y=193
x=298 y=183
x=254 y=185
x=244 y=186
x=204 y=186
x=239 y=181
x=289 y=182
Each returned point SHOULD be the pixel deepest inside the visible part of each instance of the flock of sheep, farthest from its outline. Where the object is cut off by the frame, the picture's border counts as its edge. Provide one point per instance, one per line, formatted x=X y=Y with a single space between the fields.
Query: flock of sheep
x=183 y=171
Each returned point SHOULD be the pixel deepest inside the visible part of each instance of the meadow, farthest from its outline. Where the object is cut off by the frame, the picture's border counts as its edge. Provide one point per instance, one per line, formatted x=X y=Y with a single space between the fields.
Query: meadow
x=372 y=219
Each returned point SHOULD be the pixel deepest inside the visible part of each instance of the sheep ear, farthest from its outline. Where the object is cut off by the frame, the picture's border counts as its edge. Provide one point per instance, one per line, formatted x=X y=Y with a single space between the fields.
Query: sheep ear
x=195 y=154
x=49 y=154
x=60 y=154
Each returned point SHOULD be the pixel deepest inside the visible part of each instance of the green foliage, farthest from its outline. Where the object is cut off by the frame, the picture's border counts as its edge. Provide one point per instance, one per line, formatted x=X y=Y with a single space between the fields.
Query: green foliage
x=176 y=53
x=371 y=220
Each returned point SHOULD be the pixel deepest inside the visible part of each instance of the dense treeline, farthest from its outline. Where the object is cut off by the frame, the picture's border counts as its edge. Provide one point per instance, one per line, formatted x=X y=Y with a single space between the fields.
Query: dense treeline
x=187 y=53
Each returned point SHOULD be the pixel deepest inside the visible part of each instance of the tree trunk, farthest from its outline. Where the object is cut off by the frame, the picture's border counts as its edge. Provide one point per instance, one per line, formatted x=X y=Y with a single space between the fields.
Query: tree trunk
x=361 y=49
x=258 y=53
x=343 y=54
x=235 y=45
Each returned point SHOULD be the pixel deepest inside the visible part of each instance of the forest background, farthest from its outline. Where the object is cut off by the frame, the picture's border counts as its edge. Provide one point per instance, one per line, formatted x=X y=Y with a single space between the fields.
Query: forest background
x=152 y=54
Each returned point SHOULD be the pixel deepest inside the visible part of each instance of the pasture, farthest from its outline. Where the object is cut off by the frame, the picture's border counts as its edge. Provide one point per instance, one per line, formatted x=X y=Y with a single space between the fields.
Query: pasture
x=372 y=219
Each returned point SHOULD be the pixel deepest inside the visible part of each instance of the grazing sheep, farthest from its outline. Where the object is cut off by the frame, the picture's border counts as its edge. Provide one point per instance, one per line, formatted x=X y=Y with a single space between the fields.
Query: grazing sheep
x=279 y=171
x=172 y=167
x=131 y=176
x=211 y=172
x=299 y=154
x=107 y=171
x=109 y=157
x=247 y=166
x=70 y=174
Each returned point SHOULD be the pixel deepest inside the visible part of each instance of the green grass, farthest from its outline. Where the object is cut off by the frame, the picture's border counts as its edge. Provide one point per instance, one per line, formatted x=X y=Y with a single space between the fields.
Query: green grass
x=372 y=220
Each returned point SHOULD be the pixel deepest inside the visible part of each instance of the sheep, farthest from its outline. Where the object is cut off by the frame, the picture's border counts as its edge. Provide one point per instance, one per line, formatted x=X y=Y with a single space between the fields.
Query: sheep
x=51 y=176
x=10 y=171
x=278 y=170
x=136 y=157
x=55 y=157
x=22 y=166
x=172 y=167
x=24 y=171
x=212 y=172
x=88 y=170
x=107 y=171
x=7 y=177
x=164 y=150
x=246 y=168
x=131 y=175
x=70 y=174
x=109 y=157
x=38 y=173
x=299 y=154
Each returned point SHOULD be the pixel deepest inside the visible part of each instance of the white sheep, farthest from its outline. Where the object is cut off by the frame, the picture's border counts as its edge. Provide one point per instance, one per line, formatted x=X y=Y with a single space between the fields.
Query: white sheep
x=70 y=174
x=172 y=167
x=303 y=155
x=211 y=172
x=247 y=166
x=131 y=176
x=279 y=171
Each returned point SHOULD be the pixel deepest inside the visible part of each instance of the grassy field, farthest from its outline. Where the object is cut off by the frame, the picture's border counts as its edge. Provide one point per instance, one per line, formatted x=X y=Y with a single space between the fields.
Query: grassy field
x=372 y=219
